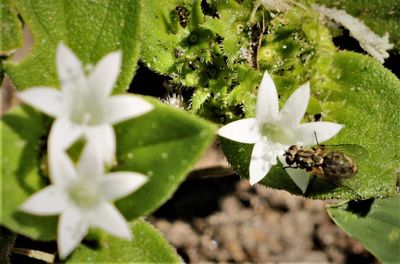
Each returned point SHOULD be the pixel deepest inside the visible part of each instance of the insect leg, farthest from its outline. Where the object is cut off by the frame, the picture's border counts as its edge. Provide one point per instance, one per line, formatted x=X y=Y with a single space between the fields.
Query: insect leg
x=292 y=167
x=316 y=139
x=343 y=186
x=351 y=190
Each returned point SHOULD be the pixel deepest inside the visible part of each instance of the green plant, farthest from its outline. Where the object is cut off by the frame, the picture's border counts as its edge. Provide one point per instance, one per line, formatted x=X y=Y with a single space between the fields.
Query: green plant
x=215 y=54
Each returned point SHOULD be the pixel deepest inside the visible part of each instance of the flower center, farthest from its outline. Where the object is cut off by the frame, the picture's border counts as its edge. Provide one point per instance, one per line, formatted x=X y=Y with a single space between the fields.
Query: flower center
x=84 y=194
x=85 y=105
x=88 y=112
x=277 y=133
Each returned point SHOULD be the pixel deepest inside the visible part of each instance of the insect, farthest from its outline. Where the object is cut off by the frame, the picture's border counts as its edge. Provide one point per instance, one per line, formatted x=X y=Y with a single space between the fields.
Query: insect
x=325 y=162
x=331 y=163
x=183 y=15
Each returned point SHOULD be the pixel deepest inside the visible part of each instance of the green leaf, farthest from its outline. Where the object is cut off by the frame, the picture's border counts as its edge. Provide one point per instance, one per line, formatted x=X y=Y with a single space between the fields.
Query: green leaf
x=147 y=246
x=243 y=94
x=358 y=92
x=90 y=29
x=375 y=223
x=162 y=34
x=199 y=97
x=10 y=27
x=23 y=137
x=232 y=26
x=197 y=16
x=381 y=16
x=163 y=144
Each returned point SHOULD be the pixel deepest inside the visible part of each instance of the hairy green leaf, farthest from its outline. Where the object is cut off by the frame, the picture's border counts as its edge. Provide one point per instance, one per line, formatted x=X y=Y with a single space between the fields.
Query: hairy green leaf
x=232 y=26
x=10 y=27
x=164 y=145
x=89 y=28
x=375 y=223
x=23 y=139
x=147 y=246
x=163 y=32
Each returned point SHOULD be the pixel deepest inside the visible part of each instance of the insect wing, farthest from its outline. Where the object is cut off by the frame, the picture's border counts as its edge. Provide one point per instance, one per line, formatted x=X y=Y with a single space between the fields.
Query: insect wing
x=356 y=152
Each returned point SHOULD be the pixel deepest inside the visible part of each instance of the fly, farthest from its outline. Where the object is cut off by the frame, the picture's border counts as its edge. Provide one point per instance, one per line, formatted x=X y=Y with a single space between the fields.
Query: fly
x=331 y=163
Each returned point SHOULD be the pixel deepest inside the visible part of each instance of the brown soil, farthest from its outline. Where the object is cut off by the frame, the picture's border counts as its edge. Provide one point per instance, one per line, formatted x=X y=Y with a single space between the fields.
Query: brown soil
x=225 y=219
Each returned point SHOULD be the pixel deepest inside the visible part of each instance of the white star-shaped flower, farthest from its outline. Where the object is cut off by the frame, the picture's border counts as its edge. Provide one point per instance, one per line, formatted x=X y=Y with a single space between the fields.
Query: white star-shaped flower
x=273 y=131
x=81 y=196
x=84 y=105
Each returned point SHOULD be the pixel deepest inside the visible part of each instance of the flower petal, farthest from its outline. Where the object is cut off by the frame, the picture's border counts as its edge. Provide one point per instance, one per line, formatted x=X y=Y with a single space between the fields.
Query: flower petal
x=324 y=131
x=62 y=170
x=102 y=139
x=108 y=218
x=123 y=107
x=90 y=163
x=300 y=177
x=243 y=131
x=49 y=201
x=267 y=100
x=48 y=100
x=72 y=228
x=119 y=184
x=263 y=157
x=62 y=134
x=295 y=107
x=69 y=67
x=103 y=77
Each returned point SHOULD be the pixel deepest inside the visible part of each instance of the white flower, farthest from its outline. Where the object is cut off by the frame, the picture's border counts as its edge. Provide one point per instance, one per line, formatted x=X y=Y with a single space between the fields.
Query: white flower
x=273 y=131
x=81 y=196
x=84 y=105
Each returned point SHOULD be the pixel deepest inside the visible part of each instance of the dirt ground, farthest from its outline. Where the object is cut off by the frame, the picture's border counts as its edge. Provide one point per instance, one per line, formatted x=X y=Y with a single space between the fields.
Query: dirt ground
x=224 y=219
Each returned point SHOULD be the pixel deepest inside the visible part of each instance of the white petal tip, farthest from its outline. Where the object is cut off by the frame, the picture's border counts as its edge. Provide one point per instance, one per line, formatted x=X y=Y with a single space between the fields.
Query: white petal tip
x=252 y=181
x=242 y=131
x=125 y=107
x=114 y=59
x=62 y=255
x=123 y=231
x=61 y=45
x=24 y=97
x=62 y=49
x=64 y=252
x=147 y=108
x=256 y=179
x=28 y=207
x=300 y=177
x=305 y=92
x=21 y=96
x=267 y=106
x=127 y=236
x=305 y=87
x=143 y=180
x=266 y=76
x=116 y=55
x=23 y=208
x=221 y=132
x=137 y=181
